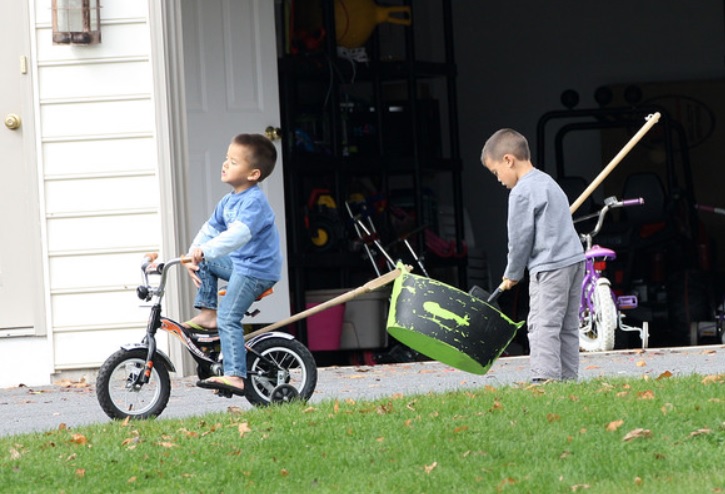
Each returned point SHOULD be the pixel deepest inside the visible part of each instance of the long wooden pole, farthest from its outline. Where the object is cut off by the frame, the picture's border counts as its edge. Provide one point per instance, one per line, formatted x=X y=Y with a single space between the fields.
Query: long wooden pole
x=651 y=120
x=340 y=299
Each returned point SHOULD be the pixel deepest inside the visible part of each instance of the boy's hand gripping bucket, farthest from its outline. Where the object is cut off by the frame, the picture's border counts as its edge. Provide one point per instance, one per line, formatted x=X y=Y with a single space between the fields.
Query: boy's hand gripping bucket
x=447 y=324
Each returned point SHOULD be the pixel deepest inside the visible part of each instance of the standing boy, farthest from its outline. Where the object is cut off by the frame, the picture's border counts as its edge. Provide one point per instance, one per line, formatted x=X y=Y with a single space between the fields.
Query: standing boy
x=542 y=238
x=238 y=243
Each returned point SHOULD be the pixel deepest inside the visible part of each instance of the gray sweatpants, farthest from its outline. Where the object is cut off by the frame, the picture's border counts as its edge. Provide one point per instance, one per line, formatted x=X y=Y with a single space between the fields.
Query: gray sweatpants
x=553 y=322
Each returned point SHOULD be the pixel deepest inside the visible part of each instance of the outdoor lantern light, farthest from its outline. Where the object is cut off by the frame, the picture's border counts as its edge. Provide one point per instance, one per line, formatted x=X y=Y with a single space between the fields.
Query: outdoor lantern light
x=76 y=22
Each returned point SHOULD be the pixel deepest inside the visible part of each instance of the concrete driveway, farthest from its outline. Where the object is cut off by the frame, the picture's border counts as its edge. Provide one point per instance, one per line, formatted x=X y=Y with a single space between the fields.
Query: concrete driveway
x=24 y=409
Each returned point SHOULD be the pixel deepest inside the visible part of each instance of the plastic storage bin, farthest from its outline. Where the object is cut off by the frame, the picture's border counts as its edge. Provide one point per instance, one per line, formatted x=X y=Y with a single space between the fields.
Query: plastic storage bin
x=324 y=329
x=364 y=319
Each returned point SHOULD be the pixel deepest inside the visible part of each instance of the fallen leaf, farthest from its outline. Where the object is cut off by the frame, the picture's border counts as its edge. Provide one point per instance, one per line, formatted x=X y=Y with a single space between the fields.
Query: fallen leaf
x=131 y=480
x=309 y=410
x=637 y=433
x=130 y=440
x=243 y=428
x=700 y=432
x=234 y=410
x=80 y=472
x=664 y=375
x=641 y=363
x=552 y=417
x=166 y=444
x=614 y=425
x=284 y=472
x=576 y=487
x=638 y=481
x=591 y=367
x=385 y=408
x=188 y=433
x=62 y=426
x=14 y=454
x=429 y=468
x=645 y=395
x=78 y=439
x=504 y=483
x=713 y=378
x=408 y=422
x=460 y=428
x=380 y=439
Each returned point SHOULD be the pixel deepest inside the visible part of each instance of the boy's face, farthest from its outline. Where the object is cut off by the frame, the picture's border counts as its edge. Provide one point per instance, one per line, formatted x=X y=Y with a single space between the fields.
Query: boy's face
x=503 y=170
x=237 y=170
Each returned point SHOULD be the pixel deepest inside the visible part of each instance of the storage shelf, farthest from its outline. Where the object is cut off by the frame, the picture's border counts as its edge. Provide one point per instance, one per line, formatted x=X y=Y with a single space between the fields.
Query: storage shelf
x=386 y=131
x=317 y=67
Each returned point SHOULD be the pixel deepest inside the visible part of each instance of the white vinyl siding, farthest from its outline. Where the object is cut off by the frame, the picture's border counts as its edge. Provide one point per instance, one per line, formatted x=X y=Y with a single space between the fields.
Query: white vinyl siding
x=97 y=148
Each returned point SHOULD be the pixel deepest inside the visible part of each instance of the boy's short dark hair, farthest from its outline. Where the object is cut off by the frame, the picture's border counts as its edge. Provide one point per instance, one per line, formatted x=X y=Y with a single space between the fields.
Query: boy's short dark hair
x=264 y=154
x=506 y=141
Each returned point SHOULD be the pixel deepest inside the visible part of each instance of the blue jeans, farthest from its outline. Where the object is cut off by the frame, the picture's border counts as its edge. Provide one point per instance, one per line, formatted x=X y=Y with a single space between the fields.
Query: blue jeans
x=241 y=293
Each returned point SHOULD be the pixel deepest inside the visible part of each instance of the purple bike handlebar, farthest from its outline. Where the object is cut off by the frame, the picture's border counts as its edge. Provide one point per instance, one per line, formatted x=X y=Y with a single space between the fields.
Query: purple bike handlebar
x=632 y=202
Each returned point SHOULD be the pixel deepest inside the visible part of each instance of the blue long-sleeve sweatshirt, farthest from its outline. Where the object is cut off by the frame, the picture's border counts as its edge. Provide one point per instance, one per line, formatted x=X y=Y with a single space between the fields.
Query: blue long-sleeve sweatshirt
x=242 y=226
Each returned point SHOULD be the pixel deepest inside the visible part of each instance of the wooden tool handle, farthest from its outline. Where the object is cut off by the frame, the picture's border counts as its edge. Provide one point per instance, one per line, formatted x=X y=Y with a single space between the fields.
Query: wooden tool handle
x=340 y=299
x=651 y=120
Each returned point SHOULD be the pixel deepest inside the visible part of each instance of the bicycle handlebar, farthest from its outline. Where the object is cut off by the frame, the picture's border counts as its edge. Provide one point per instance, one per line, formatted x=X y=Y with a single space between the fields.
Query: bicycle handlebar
x=609 y=203
x=632 y=202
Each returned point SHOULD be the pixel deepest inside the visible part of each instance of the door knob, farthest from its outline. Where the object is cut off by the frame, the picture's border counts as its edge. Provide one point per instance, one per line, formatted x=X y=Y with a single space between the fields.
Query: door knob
x=12 y=121
x=273 y=133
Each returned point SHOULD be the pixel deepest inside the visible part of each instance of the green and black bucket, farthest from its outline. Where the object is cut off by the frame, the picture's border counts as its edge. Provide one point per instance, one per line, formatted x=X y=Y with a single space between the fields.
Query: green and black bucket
x=447 y=324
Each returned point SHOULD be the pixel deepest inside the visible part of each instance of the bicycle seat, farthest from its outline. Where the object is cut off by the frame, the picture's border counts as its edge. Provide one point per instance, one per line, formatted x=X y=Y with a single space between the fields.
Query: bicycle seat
x=269 y=291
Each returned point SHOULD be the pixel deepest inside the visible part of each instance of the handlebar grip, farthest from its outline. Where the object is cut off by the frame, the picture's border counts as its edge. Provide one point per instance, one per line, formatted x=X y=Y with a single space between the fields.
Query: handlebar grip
x=633 y=202
x=151 y=256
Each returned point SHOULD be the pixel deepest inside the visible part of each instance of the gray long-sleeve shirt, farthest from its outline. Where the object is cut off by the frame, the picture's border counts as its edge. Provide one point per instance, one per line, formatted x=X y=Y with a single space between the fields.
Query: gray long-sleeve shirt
x=540 y=227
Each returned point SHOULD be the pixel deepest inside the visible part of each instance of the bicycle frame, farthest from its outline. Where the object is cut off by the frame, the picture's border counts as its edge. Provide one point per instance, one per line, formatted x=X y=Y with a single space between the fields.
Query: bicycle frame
x=188 y=337
x=596 y=258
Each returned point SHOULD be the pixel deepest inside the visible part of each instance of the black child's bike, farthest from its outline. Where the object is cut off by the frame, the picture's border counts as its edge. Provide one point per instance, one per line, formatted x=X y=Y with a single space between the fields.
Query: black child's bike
x=134 y=381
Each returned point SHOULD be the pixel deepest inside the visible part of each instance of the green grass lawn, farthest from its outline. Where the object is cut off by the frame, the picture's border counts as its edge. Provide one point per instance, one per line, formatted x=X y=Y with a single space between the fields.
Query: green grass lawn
x=664 y=435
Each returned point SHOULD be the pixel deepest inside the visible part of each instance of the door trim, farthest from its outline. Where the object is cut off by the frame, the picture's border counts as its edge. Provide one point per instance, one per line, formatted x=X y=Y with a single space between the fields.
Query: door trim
x=170 y=105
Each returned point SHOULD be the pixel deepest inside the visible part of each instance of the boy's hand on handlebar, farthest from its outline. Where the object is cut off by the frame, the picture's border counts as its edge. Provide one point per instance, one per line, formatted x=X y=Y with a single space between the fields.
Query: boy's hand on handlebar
x=196 y=256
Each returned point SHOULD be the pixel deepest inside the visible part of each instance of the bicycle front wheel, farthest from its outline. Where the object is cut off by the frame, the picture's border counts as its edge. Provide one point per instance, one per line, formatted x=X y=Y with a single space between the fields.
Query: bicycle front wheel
x=596 y=332
x=117 y=394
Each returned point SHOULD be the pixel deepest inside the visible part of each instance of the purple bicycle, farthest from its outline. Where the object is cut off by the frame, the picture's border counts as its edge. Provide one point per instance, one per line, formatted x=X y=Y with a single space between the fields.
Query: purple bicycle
x=600 y=310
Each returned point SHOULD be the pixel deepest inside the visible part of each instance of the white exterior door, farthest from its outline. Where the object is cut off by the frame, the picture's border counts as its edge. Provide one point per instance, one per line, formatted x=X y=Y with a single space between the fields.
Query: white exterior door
x=19 y=231
x=230 y=76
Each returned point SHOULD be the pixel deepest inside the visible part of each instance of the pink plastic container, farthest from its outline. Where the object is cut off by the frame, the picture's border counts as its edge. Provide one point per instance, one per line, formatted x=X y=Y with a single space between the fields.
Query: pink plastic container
x=324 y=329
